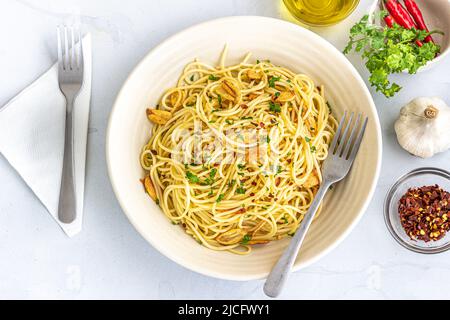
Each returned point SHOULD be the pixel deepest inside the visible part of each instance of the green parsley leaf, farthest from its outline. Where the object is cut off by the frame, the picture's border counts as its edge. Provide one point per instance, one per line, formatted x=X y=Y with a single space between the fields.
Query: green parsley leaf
x=228 y=121
x=272 y=81
x=213 y=172
x=246 y=239
x=313 y=149
x=246 y=118
x=192 y=177
x=213 y=77
x=220 y=197
x=277 y=94
x=241 y=166
x=240 y=190
x=192 y=78
x=307 y=139
x=274 y=107
x=231 y=183
x=279 y=170
x=219 y=99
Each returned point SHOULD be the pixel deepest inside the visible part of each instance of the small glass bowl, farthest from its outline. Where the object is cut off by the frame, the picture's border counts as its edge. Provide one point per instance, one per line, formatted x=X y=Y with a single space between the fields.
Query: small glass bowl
x=416 y=178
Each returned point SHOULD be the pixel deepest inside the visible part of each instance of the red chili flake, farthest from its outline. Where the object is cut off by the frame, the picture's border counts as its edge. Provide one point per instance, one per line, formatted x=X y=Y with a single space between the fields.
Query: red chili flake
x=242 y=210
x=261 y=124
x=424 y=212
x=244 y=106
x=252 y=194
x=253 y=183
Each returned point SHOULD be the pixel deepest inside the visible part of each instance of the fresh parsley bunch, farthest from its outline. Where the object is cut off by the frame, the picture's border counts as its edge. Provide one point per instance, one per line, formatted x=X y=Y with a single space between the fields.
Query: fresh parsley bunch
x=389 y=50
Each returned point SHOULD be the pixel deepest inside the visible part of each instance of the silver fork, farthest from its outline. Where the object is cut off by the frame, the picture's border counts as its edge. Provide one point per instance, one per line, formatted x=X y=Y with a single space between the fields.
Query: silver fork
x=336 y=166
x=70 y=78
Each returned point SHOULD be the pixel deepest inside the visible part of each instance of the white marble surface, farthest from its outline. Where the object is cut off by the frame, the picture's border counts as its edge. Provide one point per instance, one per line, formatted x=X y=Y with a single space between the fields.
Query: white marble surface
x=109 y=259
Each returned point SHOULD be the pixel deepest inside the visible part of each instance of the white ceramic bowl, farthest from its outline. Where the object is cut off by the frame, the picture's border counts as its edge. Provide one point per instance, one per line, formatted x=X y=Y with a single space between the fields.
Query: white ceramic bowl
x=284 y=44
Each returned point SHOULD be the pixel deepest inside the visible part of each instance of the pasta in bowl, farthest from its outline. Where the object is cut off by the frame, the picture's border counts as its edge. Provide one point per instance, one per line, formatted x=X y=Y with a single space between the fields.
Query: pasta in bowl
x=332 y=79
x=235 y=152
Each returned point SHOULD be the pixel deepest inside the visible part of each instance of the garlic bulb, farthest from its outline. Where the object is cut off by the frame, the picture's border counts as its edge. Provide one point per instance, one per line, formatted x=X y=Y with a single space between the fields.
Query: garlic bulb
x=423 y=127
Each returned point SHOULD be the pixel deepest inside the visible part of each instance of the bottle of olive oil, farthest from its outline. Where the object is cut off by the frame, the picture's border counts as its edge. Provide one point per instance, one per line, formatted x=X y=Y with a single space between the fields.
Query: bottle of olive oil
x=320 y=12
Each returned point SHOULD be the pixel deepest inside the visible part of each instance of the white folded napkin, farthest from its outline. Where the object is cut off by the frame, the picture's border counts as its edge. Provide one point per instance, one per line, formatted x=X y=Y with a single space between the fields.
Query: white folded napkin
x=32 y=137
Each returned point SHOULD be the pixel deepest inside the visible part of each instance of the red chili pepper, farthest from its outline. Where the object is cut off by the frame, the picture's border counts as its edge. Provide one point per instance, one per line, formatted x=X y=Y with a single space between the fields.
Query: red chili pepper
x=401 y=16
x=389 y=21
x=418 y=17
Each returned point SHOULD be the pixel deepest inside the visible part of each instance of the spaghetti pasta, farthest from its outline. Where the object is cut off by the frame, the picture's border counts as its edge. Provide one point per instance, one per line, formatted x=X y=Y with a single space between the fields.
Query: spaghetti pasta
x=235 y=153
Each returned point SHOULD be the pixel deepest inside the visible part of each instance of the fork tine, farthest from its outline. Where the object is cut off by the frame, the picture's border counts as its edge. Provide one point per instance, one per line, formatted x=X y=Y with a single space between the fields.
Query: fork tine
x=344 y=136
x=338 y=132
x=80 y=49
x=58 y=36
x=346 y=152
x=72 y=49
x=358 y=141
x=66 y=49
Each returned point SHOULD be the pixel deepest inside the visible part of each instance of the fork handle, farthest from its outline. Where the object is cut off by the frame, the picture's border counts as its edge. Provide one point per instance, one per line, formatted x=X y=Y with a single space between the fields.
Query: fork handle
x=67 y=197
x=280 y=272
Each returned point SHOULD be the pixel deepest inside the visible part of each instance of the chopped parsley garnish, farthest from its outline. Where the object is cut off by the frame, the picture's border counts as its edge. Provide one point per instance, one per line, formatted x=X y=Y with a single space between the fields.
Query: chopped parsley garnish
x=219 y=99
x=279 y=170
x=274 y=107
x=268 y=139
x=241 y=166
x=246 y=239
x=192 y=78
x=186 y=165
x=313 y=149
x=307 y=139
x=257 y=61
x=277 y=94
x=211 y=192
x=231 y=183
x=247 y=118
x=220 y=197
x=213 y=172
x=272 y=81
x=213 y=77
x=228 y=121
x=240 y=190
x=192 y=177
x=285 y=219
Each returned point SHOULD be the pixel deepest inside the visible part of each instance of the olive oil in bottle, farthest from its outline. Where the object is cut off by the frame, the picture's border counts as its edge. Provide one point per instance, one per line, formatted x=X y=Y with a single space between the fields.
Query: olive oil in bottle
x=320 y=12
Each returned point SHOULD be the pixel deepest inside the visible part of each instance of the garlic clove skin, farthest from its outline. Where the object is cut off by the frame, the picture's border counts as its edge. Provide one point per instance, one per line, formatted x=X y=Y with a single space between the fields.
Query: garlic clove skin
x=423 y=127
